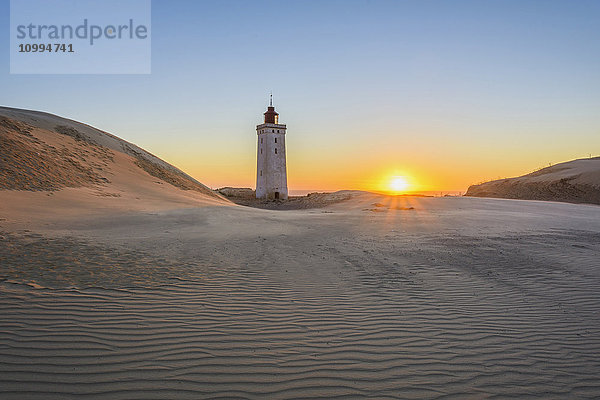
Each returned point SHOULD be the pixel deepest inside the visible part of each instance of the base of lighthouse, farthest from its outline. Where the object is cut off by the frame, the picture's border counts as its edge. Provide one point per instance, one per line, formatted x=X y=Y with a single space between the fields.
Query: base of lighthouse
x=272 y=195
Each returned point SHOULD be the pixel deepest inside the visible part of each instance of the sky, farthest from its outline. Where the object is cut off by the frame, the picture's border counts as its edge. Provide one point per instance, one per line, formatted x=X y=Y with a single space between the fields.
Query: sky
x=444 y=93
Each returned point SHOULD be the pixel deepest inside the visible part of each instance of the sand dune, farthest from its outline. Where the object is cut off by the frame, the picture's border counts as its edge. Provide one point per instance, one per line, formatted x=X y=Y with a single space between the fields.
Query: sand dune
x=576 y=181
x=247 y=197
x=51 y=162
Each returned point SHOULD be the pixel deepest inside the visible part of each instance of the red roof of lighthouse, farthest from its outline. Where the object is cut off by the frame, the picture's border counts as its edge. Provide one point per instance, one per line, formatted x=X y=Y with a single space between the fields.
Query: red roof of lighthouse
x=271 y=116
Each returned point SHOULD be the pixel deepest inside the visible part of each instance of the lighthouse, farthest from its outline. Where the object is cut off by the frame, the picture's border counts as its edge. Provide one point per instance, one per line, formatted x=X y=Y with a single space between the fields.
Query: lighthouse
x=271 y=171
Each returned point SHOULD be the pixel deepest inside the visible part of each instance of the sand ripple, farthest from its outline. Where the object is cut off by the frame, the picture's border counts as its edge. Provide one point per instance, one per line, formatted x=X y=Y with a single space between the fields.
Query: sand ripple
x=501 y=327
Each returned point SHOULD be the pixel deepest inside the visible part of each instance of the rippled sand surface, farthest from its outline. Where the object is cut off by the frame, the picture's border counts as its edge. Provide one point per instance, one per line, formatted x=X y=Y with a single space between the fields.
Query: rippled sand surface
x=454 y=298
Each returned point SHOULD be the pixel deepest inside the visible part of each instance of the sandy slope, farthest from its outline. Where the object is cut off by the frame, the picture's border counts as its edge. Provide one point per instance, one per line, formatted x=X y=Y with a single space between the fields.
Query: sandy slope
x=576 y=181
x=51 y=164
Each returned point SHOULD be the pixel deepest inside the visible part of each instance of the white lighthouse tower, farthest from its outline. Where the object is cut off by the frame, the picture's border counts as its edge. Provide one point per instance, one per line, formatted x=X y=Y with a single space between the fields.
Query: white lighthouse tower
x=271 y=172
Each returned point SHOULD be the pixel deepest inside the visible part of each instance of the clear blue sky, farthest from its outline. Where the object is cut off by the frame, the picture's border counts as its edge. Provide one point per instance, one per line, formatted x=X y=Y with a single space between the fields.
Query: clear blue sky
x=452 y=91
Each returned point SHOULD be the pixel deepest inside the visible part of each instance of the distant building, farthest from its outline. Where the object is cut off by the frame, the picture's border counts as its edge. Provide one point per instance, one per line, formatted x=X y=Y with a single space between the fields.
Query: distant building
x=271 y=171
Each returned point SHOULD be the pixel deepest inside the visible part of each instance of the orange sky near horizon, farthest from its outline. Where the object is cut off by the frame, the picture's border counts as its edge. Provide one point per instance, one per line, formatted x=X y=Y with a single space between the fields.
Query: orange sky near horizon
x=427 y=167
x=337 y=152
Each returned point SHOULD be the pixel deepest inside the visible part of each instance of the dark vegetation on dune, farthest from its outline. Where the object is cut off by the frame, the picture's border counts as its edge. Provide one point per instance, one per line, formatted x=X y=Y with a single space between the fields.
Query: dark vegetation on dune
x=174 y=178
x=562 y=190
x=562 y=182
x=247 y=197
x=171 y=176
x=30 y=163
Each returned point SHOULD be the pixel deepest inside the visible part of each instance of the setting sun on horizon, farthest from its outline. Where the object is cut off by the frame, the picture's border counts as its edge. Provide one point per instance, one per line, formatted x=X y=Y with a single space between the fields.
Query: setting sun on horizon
x=399 y=184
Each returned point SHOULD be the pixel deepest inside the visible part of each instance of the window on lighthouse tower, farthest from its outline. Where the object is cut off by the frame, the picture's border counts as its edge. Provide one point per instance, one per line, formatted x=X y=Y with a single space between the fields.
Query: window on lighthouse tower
x=275 y=151
x=275 y=140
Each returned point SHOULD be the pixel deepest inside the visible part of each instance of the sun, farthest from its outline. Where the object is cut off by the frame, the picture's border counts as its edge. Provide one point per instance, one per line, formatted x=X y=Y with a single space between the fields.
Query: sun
x=399 y=184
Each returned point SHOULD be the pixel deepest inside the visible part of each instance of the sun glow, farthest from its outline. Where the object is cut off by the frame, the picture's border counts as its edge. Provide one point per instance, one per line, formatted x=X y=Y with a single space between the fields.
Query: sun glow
x=399 y=184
